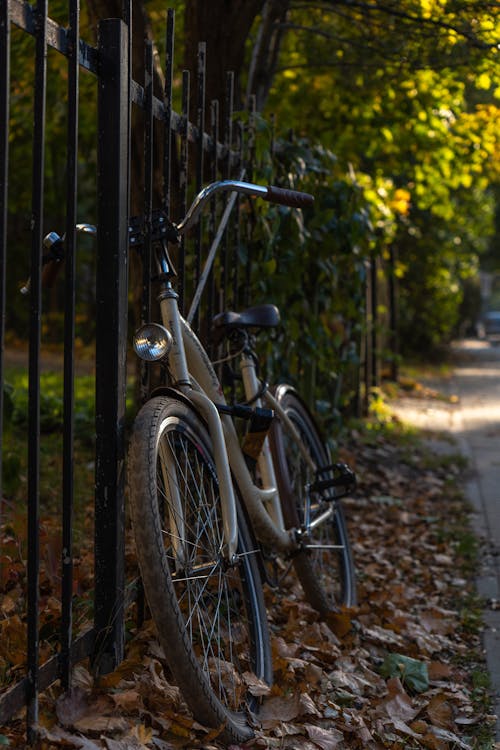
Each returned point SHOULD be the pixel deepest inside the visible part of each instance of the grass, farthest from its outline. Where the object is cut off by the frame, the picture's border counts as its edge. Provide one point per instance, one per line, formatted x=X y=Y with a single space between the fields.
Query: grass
x=15 y=460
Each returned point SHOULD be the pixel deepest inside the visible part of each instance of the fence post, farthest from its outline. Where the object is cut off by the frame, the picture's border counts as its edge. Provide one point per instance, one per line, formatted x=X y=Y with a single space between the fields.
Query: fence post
x=111 y=319
x=393 y=313
x=4 y=173
x=375 y=379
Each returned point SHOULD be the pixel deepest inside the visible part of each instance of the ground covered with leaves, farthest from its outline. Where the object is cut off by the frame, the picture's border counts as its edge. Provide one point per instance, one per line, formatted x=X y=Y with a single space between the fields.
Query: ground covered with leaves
x=402 y=670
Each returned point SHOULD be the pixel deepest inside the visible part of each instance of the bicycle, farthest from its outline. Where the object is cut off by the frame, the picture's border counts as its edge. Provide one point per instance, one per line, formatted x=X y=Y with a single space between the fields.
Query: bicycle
x=200 y=519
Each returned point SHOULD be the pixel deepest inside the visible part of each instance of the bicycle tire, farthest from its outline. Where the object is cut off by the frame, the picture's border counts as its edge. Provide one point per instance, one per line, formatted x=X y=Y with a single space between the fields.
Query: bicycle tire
x=210 y=616
x=327 y=576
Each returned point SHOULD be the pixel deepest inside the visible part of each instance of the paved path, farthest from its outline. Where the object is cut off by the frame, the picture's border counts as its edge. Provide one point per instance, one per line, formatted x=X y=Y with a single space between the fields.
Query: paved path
x=475 y=422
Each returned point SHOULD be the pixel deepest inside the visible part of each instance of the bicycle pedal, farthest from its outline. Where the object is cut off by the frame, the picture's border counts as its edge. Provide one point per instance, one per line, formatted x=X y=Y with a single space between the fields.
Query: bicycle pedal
x=342 y=480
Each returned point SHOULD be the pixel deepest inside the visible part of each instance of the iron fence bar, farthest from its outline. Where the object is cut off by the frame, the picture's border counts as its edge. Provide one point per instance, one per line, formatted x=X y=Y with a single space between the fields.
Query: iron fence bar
x=69 y=343
x=4 y=173
x=169 y=78
x=34 y=366
x=200 y=123
x=237 y=229
x=148 y=203
x=148 y=175
x=366 y=357
x=252 y=110
x=393 y=312
x=375 y=379
x=111 y=340
x=183 y=185
x=228 y=140
x=214 y=167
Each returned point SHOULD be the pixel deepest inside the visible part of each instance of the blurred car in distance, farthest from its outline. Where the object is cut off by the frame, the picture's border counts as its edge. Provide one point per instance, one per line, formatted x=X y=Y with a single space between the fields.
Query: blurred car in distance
x=490 y=324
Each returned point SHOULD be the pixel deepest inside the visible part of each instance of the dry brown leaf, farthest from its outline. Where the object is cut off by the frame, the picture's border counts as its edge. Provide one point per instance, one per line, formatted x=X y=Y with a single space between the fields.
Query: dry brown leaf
x=277 y=709
x=142 y=733
x=402 y=727
x=382 y=636
x=439 y=671
x=127 y=669
x=282 y=648
x=255 y=685
x=82 y=678
x=313 y=673
x=72 y=706
x=94 y=725
x=307 y=706
x=327 y=739
x=58 y=737
x=340 y=623
x=397 y=705
x=439 y=712
x=126 y=743
x=127 y=701
x=450 y=738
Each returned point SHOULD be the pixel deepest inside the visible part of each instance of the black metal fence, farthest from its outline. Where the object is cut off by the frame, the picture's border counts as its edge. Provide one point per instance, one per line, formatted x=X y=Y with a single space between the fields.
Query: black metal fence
x=185 y=150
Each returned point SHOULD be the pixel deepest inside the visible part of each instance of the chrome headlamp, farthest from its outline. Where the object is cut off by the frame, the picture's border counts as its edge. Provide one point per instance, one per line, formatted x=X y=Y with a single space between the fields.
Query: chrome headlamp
x=152 y=342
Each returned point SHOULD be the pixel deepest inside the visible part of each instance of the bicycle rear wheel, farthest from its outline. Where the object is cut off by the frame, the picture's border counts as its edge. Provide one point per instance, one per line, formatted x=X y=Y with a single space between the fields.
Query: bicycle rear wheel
x=210 y=614
x=326 y=569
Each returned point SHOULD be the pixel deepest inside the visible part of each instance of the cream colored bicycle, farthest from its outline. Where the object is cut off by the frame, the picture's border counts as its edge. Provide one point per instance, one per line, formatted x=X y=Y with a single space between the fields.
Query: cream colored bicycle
x=202 y=517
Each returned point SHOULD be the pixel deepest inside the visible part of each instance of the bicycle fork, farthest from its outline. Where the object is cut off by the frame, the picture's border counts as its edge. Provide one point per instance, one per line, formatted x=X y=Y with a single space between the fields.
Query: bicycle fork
x=181 y=380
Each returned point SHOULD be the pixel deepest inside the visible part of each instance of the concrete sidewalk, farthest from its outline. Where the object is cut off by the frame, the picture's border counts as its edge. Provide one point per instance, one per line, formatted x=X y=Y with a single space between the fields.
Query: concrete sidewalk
x=474 y=421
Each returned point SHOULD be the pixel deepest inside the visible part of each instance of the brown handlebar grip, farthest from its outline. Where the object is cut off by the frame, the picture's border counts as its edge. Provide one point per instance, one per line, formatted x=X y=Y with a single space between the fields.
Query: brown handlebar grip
x=49 y=272
x=292 y=198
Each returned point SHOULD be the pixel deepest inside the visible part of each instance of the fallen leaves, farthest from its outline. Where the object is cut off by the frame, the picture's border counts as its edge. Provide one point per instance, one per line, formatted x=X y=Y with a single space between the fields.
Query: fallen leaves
x=390 y=673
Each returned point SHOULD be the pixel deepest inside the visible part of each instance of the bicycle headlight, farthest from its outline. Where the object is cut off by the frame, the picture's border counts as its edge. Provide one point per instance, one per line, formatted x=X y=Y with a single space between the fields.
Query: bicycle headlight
x=152 y=342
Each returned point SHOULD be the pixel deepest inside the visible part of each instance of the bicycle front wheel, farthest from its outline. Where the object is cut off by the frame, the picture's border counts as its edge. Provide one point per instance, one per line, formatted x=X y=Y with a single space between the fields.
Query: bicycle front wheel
x=325 y=566
x=210 y=613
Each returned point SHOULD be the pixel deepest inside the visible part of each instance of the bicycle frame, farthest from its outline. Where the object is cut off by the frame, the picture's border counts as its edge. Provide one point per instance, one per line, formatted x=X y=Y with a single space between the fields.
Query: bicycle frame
x=193 y=375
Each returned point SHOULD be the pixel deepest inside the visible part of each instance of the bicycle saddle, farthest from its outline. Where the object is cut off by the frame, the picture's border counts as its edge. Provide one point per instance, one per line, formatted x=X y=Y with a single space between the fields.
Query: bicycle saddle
x=260 y=316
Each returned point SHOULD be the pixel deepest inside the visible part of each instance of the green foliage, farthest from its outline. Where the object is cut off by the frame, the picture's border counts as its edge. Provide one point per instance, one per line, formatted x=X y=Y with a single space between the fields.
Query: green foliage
x=412 y=673
x=311 y=264
x=51 y=403
x=418 y=122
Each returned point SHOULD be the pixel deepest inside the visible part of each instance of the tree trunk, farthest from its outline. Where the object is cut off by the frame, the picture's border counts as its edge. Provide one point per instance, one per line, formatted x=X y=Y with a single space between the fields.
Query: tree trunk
x=225 y=26
x=266 y=50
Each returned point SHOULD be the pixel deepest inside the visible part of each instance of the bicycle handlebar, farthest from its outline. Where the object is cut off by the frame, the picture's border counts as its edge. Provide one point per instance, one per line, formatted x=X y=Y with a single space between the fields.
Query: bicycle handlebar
x=285 y=197
x=295 y=199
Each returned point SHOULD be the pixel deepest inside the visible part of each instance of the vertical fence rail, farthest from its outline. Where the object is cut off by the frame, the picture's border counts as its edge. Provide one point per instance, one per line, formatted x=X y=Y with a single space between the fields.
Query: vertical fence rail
x=34 y=364
x=183 y=185
x=148 y=203
x=69 y=339
x=200 y=124
x=393 y=313
x=228 y=140
x=4 y=173
x=375 y=366
x=167 y=139
x=214 y=172
x=111 y=340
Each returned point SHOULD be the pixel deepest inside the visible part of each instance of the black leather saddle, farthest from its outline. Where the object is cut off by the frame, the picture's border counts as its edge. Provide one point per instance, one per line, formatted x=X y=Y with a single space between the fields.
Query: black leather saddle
x=260 y=316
